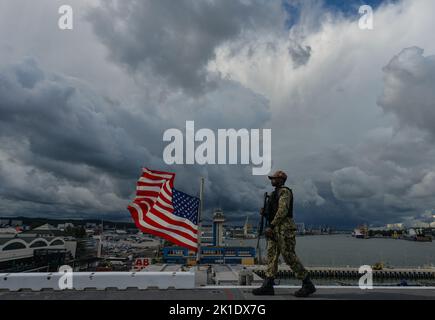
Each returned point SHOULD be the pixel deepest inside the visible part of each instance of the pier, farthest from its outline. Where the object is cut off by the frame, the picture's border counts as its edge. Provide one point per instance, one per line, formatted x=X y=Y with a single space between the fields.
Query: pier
x=353 y=273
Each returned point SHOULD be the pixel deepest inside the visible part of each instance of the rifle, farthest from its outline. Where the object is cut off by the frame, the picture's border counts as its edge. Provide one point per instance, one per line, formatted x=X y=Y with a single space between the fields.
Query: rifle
x=264 y=216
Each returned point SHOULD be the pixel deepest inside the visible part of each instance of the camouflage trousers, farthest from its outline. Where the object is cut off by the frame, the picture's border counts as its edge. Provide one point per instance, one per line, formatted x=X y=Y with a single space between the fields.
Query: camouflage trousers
x=283 y=243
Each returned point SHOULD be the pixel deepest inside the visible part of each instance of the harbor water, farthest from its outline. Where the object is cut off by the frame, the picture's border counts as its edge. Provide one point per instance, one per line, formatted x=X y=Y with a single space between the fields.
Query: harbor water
x=345 y=250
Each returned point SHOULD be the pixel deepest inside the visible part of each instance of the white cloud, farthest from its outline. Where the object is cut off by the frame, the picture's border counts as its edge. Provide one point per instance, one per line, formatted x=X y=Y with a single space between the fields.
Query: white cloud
x=409 y=89
x=328 y=131
x=353 y=184
x=306 y=194
x=425 y=188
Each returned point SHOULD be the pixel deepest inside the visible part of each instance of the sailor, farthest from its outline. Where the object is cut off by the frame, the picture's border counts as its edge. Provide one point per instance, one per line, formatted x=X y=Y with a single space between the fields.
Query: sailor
x=281 y=238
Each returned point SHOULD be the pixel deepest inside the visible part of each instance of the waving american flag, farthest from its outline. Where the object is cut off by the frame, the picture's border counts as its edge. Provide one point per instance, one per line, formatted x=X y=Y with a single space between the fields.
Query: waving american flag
x=161 y=210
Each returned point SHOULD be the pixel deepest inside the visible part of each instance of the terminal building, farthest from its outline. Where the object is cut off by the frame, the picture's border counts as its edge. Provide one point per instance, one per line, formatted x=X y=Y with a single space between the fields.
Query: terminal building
x=210 y=255
x=34 y=253
x=214 y=252
x=207 y=235
x=45 y=249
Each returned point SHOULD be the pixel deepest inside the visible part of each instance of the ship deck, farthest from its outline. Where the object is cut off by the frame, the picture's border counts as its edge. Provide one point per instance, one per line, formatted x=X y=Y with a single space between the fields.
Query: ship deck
x=226 y=293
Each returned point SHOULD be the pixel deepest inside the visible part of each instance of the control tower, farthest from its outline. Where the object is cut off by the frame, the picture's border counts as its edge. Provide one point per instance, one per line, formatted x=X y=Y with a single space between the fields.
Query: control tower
x=218 y=228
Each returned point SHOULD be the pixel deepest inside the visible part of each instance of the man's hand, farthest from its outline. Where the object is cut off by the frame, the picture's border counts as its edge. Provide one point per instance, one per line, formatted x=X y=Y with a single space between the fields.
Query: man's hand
x=269 y=233
x=262 y=211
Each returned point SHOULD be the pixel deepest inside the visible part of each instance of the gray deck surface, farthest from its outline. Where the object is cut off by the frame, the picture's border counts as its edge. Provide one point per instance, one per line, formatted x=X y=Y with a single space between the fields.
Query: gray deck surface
x=228 y=293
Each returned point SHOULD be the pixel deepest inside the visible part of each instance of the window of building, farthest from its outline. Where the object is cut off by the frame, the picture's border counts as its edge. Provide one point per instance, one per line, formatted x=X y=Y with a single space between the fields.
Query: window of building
x=57 y=243
x=38 y=244
x=14 y=246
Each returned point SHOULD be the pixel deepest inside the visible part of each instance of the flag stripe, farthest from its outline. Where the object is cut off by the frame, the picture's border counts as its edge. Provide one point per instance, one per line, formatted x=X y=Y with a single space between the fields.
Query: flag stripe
x=173 y=218
x=158 y=174
x=149 y=200
x=154 y=210
x=154 y=220
x=147 y=176
x=164 y=205
x=150 y=183
x=155 y=181
x=147 y=193
x=148 y=188
x=173 y=235
x=169 y=213
x=142 y=227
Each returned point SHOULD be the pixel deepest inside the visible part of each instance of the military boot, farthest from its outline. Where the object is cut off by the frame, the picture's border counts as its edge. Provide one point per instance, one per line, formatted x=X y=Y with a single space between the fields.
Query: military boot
x=307 y=288
x=266 y=289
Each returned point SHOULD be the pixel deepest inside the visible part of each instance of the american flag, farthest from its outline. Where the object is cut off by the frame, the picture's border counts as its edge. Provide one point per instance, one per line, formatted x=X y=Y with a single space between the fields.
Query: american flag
x=161 y=210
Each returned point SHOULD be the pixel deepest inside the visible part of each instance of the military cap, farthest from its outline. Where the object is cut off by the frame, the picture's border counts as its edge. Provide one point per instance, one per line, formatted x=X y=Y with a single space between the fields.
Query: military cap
x=279 y=174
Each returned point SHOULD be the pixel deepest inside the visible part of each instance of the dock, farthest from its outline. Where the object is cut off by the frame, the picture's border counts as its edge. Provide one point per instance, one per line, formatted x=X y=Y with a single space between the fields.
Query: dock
x=284 y=272
x=212 y=282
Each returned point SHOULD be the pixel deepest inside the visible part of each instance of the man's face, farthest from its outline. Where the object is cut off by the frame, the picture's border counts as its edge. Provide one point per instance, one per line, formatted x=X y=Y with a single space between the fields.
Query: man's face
x=276 y=182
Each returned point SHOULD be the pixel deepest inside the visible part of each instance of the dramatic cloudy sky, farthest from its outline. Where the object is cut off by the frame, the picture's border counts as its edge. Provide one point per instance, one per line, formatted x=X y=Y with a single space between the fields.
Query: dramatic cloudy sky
x=352 y=111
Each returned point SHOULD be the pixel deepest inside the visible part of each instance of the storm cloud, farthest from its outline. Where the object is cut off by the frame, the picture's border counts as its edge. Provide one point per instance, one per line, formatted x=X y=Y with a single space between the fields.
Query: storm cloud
x=351 y=111
x=176 y=40
x=81 y=150
x=409 y=89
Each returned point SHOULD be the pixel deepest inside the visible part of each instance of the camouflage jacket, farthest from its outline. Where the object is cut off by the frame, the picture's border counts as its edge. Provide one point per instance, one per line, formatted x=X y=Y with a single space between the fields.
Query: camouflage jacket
x=282 y=219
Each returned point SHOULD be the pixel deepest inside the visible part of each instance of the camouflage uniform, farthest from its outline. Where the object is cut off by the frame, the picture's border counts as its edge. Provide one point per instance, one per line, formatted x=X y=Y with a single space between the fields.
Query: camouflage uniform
x=284 y=238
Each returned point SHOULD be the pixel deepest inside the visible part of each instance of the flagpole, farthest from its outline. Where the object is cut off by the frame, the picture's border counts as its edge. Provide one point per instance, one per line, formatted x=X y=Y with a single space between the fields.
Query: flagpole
x=201 y=202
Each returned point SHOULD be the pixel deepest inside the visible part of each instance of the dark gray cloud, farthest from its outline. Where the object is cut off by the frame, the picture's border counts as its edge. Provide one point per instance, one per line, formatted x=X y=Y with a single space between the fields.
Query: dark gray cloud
x=425 y=188
x=62 y=120
x=299 y=54
x=62 y=144
x=76 y=128
x=387 y=177
x=176 y=40
x=409 y=89
x=82 y=153
x=353 y=183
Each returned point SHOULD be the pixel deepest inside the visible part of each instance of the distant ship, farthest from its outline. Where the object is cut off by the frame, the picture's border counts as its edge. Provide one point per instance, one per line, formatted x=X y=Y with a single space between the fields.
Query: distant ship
x=417 y=234
x=360 y=232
